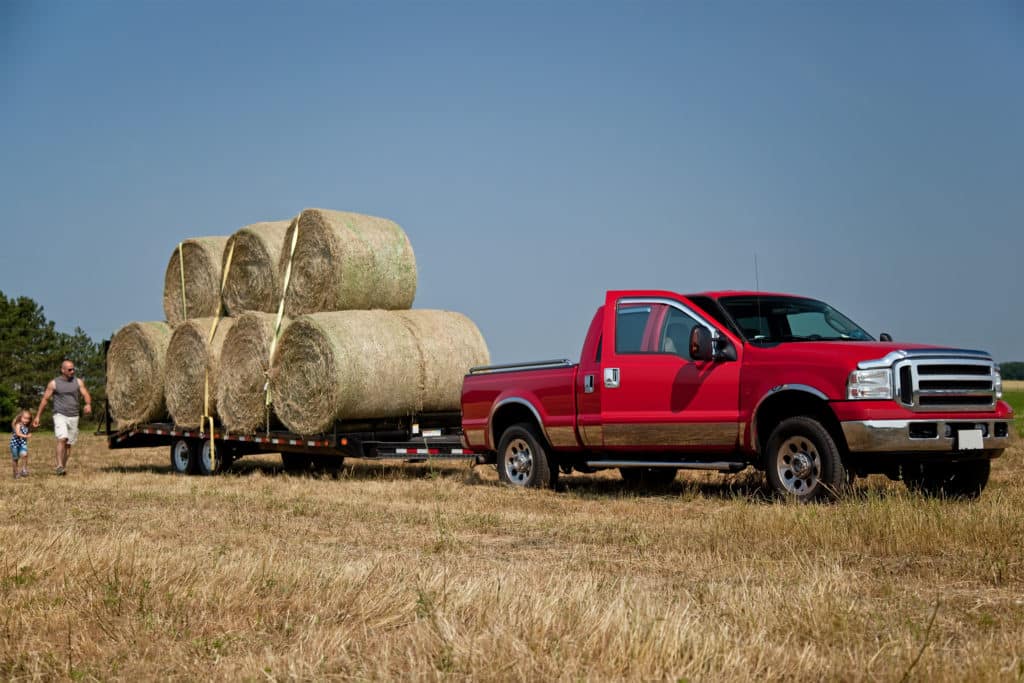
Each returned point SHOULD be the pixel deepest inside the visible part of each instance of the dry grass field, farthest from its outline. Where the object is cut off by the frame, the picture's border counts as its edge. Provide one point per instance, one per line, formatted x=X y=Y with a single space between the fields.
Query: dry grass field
x=122 y=570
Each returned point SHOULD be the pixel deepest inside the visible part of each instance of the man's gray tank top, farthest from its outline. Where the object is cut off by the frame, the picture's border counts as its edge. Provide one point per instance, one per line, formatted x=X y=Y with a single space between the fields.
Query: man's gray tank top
x=65 y=396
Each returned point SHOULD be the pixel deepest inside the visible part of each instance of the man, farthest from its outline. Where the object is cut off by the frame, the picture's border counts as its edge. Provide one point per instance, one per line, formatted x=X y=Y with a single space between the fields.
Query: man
x=66 y=390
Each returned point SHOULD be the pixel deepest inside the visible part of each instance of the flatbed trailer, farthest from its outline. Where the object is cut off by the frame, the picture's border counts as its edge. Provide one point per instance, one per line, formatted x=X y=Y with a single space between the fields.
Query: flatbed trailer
x=435 y=436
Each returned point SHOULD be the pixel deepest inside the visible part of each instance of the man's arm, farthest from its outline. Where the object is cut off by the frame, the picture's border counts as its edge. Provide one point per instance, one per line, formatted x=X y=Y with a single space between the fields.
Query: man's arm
x=88 y=398
x=42 y=404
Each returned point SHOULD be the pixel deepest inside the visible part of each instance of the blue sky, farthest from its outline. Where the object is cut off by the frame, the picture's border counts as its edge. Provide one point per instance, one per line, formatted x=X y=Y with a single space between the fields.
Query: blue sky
x=537 y=153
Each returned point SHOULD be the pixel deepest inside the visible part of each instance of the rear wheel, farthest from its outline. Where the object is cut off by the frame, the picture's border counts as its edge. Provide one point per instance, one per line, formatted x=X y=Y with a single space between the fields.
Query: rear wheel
x=948 y=479
x=523 y=460
x=212 y=461
x=654 y=478
x=183 y=456
x=803 y=462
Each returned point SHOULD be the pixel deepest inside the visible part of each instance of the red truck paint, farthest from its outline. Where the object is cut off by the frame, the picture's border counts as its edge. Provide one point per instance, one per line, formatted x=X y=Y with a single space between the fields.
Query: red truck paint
x=638 y=399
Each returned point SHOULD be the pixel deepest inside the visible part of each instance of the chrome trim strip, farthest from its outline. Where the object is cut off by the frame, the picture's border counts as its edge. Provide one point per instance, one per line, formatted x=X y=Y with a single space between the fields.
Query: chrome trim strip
x=889 y=359
x=670 y=302
x=721 y=465
x=562 y=437
x=893 y=436
x=671 y=434
x=513 y=367
x=806 y=388
x=489 y=441
x=592 y=436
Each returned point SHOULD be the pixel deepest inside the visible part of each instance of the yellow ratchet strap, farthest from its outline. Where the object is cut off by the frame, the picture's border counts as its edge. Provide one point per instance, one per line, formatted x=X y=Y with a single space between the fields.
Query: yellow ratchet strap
x=207 y=418
x=181 y=268
x=280 y=312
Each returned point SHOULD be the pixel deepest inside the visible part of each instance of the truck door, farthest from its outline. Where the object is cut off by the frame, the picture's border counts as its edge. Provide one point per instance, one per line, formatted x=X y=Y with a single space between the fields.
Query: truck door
x=655 y=396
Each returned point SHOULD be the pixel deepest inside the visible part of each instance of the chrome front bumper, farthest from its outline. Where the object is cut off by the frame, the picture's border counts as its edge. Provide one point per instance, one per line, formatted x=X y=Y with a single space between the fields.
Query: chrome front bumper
x=901 y=436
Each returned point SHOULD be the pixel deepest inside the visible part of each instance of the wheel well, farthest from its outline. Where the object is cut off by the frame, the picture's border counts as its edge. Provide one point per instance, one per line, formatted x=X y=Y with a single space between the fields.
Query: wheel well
x=510 y=414
x=786 y=404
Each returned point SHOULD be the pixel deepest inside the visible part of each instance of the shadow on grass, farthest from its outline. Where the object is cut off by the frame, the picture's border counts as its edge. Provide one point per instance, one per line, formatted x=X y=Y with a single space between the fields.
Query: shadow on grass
x=748 y=486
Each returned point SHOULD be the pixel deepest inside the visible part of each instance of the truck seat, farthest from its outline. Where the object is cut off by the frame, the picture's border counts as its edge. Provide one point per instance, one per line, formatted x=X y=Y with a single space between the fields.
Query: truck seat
x=677 y=338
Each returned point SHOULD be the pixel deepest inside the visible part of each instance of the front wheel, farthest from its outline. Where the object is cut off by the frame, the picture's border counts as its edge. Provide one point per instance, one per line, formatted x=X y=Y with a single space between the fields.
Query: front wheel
x=803 y=462
x=183 y=456
x=523 y=461
x=948 y=479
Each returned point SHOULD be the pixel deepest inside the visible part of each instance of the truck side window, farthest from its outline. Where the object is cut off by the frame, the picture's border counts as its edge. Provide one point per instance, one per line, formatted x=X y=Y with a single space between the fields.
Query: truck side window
x=630 y=325
x=675 y=337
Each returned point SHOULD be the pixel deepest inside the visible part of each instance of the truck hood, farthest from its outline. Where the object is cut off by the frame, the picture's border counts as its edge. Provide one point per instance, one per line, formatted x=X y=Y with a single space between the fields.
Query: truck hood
x=845 y=353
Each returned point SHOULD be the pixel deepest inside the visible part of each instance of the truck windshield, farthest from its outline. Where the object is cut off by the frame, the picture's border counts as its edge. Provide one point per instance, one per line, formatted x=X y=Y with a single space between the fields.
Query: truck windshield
x=772 y=319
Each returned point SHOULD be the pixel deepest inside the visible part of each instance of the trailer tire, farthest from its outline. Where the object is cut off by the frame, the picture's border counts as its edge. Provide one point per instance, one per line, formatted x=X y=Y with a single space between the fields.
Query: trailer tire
x=223 y=459
x=183 y=456
x=523 y=460
x=803 y=463
x=948 y=479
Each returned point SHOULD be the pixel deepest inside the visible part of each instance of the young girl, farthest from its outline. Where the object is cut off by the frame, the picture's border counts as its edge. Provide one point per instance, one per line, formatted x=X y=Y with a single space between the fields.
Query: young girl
x=19 y=443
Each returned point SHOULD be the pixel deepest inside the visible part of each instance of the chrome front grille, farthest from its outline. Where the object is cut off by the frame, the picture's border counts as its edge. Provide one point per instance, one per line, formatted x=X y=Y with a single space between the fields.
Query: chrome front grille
x=945 y=383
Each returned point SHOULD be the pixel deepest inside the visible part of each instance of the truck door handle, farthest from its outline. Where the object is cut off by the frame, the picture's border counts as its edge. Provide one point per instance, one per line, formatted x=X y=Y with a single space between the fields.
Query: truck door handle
x=611 y=378
x=588 y=384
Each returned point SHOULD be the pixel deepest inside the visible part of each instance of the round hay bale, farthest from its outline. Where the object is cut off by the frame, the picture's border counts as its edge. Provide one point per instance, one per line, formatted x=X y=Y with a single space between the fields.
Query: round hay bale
x=242 y=375
x=254 y=278
x=350 y=365
x=190 y=356
x=451 y=344
x=202 y=257
x=347 y=261
x=135 y=373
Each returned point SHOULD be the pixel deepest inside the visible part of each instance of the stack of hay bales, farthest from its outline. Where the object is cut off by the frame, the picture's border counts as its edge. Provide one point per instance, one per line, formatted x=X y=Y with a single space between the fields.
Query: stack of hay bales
x=312 y=313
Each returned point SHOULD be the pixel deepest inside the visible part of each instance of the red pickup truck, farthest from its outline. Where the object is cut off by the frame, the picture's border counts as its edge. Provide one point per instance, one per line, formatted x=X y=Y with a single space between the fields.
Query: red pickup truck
x=728 y=380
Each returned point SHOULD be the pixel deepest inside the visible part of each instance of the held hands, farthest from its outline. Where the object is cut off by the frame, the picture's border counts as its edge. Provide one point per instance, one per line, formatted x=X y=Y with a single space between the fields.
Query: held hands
x=35 y=423
x=88 y=409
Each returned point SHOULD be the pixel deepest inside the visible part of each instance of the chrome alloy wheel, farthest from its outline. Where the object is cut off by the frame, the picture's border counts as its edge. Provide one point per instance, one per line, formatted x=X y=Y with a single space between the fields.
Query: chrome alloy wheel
x=799 y=465
x=180 y=455
x=518 y=462
x=207 y=466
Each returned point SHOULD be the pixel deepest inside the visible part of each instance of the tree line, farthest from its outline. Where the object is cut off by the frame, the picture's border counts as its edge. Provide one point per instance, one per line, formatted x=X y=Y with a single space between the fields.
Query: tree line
x=31 y=351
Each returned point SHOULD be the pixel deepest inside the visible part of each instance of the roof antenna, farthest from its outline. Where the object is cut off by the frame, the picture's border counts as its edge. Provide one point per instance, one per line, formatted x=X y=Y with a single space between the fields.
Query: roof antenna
x=757 y=289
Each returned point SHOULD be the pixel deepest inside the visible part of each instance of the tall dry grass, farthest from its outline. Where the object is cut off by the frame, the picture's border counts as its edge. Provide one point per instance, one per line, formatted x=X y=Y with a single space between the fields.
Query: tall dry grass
x=122 y=570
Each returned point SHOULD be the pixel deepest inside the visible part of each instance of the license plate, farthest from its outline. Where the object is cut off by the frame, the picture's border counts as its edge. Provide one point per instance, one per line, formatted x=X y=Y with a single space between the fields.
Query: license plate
x=969 y=440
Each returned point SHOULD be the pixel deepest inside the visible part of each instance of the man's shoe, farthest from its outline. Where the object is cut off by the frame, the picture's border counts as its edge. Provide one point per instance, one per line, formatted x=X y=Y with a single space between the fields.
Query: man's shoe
x=60 y=471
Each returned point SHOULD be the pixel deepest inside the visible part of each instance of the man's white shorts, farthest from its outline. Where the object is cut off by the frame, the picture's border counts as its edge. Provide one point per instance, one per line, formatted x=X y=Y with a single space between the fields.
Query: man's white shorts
x=65 y=427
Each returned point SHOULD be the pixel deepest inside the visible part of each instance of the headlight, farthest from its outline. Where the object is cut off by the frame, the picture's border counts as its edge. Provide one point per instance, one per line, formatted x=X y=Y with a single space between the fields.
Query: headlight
x=997 y=382
x=869 y=384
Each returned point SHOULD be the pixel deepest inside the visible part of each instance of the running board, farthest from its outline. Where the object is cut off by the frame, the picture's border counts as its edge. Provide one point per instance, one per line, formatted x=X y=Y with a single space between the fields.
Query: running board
x=721 y=466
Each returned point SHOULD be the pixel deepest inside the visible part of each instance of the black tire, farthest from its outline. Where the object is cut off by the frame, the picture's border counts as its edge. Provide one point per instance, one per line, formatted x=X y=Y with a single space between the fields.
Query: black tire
x=523 y=460
x=221 y=459
x=948 y=479
x=648 y=478
x=183 y=456
x=803 y=462
x=296 y=463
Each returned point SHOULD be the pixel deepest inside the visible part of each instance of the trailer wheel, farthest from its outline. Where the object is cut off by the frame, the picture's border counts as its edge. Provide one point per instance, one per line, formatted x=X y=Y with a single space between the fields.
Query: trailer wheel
x=948 y=479
x=183 y=456
x=803 y=462
x=203 y=465
x=523 y=461
x=651 y=478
